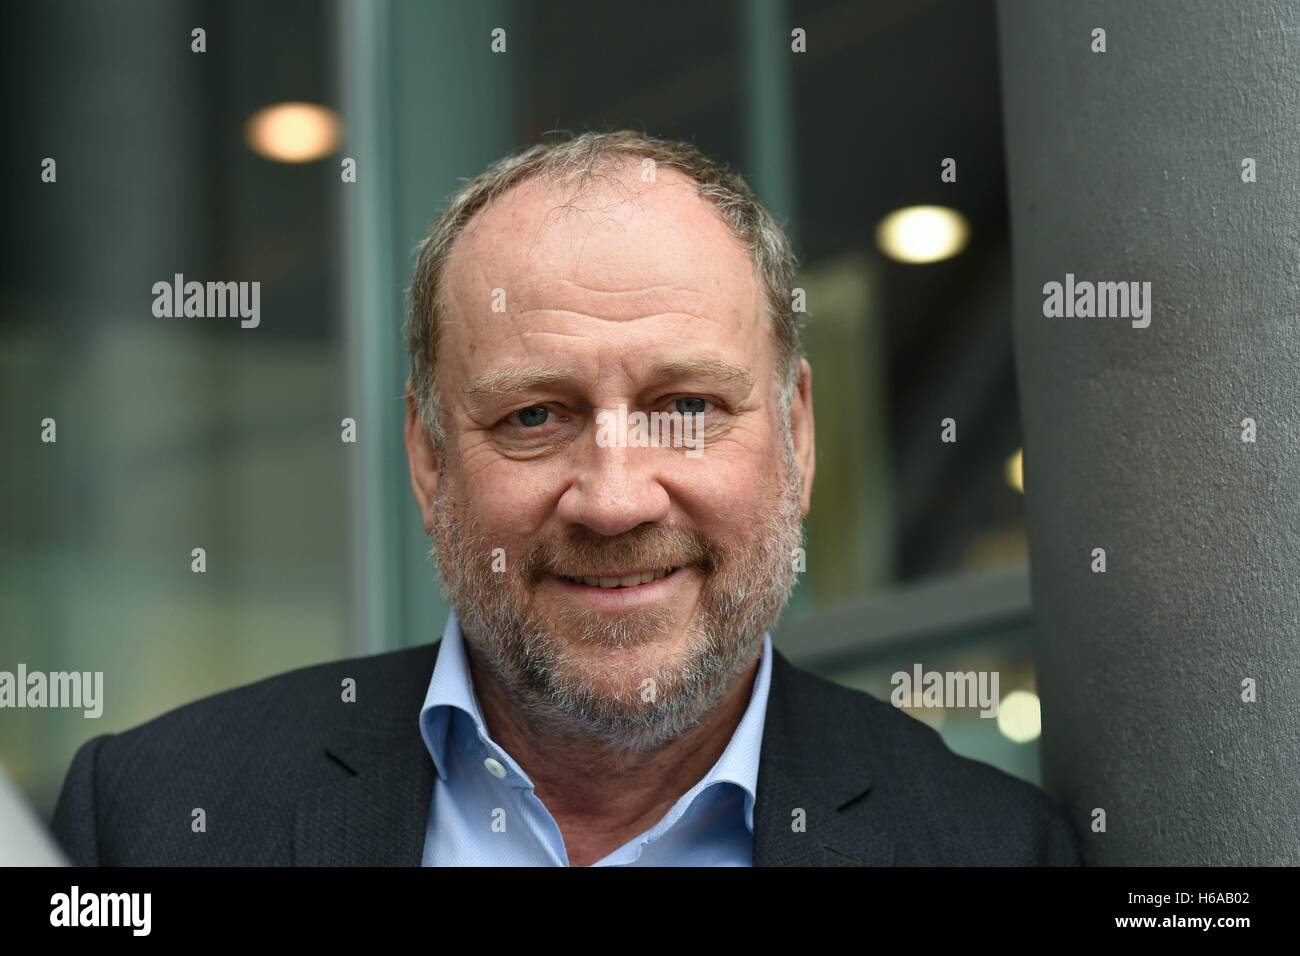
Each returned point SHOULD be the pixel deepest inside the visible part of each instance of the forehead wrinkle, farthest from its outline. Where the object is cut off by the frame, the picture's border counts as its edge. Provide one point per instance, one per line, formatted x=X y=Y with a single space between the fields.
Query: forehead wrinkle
x=675 y=313
x=658 y=288
x=552 y=293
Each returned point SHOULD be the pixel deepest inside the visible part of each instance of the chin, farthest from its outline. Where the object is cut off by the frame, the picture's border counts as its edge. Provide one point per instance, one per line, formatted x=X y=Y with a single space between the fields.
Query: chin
x=613 y=653
x=611 y=669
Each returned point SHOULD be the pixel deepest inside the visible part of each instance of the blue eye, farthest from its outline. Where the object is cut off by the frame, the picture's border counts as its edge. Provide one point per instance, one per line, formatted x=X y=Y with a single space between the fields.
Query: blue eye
x=691 y=406
x=532 y=417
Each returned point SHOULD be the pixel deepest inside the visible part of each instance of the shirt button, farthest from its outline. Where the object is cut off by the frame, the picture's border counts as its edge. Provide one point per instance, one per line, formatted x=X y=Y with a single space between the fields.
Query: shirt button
x=495 y=767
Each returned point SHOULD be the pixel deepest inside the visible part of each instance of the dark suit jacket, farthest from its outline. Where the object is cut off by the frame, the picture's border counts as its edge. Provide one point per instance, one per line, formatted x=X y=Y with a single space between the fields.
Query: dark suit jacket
x=288 y=773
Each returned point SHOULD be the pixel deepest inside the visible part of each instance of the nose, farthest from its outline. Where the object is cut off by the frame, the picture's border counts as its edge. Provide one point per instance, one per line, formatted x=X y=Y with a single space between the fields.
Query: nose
x=615 y=491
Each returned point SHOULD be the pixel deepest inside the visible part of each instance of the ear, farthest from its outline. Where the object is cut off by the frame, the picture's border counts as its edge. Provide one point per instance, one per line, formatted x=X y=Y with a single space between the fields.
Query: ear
x=801 y=431
x=423 y=460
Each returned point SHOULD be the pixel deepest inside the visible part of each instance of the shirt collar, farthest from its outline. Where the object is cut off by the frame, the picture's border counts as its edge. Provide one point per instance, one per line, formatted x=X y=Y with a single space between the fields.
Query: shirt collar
x=451 y=689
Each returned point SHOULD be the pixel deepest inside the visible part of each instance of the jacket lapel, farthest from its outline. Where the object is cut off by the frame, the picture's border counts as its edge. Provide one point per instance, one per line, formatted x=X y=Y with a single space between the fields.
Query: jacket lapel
x=376 y=813
x=815 y=775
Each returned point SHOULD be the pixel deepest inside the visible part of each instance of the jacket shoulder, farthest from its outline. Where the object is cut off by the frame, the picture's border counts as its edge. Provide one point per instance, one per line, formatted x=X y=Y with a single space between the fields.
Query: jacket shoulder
x=243 y=757
x=305 y=697
x=943 y=808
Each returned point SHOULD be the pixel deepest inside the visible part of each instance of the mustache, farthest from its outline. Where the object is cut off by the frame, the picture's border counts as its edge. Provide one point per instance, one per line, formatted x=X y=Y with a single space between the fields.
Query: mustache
x=648 y=547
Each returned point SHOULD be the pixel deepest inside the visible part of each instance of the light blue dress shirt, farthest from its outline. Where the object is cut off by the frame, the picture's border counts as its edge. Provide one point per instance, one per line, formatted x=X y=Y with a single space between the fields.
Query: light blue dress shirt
x=484 y=811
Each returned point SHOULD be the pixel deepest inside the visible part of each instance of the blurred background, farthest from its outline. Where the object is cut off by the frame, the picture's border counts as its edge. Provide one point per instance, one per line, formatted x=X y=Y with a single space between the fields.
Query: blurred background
x=174 y=435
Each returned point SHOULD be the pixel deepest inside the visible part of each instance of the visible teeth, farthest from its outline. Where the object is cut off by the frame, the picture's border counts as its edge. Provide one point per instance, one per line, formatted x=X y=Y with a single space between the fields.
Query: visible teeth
x=626 y=581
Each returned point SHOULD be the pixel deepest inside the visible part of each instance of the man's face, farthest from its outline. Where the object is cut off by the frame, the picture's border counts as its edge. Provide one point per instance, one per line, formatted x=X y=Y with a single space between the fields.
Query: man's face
x=635 y=296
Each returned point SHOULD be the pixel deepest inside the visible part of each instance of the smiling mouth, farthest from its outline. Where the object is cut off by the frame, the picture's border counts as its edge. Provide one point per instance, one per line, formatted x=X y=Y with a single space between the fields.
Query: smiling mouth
x=612 y=582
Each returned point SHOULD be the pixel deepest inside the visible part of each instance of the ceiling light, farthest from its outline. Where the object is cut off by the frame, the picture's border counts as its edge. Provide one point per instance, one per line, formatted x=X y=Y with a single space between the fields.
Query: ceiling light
x=1015 y=470
x=294 y=132
x=1020 y=717
x=920 y=234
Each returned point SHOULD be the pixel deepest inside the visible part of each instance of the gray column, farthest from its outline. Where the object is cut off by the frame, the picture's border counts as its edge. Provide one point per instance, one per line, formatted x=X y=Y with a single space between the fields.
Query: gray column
x=1127 y=166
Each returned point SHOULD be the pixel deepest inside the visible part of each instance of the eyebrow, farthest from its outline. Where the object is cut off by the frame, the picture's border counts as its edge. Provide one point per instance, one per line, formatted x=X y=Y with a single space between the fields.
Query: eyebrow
x=504 y=381
x=724 y=372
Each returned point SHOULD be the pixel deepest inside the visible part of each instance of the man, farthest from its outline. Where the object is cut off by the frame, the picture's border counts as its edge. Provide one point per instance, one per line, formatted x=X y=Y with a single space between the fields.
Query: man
x=605 y=691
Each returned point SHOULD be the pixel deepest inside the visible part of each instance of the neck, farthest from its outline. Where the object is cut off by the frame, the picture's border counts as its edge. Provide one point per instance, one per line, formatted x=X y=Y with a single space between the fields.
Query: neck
x=602 y=796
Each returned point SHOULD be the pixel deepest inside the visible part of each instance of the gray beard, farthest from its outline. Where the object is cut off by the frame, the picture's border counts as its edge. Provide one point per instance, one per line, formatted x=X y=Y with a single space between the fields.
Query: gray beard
x=745 y=587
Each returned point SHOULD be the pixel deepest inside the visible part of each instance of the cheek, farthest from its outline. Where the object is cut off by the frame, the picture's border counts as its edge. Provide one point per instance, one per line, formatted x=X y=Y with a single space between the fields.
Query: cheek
x=725 y=495
x=508 y=501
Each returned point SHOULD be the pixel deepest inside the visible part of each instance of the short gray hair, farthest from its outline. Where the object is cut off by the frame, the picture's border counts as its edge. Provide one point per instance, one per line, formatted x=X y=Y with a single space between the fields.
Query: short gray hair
x=580 y=157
